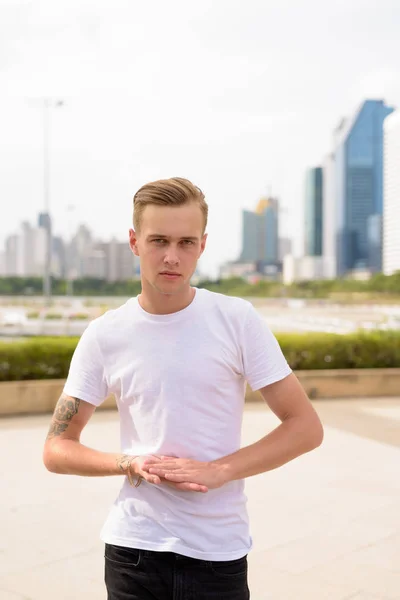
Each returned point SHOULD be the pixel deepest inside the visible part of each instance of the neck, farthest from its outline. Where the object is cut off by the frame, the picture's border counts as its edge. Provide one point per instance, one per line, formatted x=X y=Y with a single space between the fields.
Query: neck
x=156 y=303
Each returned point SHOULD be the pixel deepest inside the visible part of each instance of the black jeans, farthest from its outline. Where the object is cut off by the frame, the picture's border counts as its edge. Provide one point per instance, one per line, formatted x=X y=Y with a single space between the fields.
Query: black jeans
x=132 y=574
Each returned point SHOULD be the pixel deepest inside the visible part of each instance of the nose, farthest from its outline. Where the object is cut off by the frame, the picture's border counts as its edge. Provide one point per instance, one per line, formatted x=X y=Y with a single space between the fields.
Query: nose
x=171 y=257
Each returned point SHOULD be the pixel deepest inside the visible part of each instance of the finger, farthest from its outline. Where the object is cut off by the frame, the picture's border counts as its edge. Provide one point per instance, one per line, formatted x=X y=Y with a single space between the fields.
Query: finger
x=178 y=477
x=156 y=463
x=167 y=467
x=186 y=486
x=163 y=468
x=150 y=461
x=153 y=479
x=156 y=459
x=189 y=487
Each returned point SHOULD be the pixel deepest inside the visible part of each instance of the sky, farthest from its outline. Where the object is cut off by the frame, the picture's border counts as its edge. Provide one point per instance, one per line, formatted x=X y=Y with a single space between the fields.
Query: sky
x=240 y=97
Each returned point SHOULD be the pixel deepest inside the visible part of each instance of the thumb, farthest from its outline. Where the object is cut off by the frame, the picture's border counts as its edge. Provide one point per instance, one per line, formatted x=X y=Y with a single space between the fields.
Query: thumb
x=136 y=469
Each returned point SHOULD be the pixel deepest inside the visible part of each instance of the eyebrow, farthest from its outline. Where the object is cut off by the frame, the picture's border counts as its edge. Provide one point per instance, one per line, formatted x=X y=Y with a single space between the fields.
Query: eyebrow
x=166 y=237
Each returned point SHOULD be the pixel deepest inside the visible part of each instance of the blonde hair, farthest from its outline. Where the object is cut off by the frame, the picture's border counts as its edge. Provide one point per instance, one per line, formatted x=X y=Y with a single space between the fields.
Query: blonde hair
x=167 y=192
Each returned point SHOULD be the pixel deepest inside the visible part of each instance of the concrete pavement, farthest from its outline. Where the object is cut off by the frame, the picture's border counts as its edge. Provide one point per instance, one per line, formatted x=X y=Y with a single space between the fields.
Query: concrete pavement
x=325 y=527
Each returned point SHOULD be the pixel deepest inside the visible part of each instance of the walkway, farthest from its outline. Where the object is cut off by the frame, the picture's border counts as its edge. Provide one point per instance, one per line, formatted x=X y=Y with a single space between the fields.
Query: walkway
x=325 y=527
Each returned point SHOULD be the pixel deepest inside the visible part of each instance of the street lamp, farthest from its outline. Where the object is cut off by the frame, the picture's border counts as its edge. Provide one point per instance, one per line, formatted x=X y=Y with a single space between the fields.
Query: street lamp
x=47 y=104
x=69 y=266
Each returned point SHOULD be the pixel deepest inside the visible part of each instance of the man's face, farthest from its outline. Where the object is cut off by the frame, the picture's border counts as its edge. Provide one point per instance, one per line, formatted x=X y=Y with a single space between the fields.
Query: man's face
x=169 y=243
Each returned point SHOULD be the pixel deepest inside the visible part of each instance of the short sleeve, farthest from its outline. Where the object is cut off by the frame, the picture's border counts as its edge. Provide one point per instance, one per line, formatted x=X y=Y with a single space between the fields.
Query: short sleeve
x=263 y=359
x=86 y=378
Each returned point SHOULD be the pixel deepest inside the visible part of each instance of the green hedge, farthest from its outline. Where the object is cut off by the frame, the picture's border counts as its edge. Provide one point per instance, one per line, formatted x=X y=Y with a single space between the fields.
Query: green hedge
x=49 y=358
x=359 y=350
x=36 y=358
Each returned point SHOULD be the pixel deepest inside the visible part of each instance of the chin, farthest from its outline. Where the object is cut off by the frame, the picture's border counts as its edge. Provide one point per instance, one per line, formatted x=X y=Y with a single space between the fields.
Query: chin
x=170 y=290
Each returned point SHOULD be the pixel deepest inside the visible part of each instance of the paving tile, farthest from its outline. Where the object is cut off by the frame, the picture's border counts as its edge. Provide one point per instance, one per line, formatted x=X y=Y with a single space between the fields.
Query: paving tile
x=325 y=527
x=70 y=578
x=8 y=595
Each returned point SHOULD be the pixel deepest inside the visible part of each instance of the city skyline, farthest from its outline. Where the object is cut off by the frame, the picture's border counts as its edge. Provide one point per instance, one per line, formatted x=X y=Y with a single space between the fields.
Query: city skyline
x=81 y=255
x=182 y=89
x=343 y=198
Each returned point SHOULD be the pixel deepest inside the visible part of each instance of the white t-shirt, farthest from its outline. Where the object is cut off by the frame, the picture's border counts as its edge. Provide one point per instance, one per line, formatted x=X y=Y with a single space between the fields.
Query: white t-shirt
x=179 y=381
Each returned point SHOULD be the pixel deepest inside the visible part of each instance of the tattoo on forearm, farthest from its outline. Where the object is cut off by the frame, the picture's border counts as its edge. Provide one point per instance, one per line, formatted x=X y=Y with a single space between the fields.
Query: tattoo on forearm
x=56 y=429
x=66 y=408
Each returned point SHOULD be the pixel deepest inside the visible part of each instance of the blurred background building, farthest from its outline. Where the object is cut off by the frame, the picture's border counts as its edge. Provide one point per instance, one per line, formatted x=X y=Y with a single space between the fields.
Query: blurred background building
x=344 y=201
x=261 y=246
x=358 y=189
x=313 y=235
x=82 y=256
x=391 y=196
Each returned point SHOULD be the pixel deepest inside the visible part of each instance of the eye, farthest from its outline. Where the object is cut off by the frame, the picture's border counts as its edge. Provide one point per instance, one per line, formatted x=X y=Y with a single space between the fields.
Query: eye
x=188 y=242
x=159 y=241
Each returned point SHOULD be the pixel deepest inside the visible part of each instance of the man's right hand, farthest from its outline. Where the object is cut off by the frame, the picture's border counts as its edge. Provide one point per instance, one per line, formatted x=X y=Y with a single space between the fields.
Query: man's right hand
x=136 y=469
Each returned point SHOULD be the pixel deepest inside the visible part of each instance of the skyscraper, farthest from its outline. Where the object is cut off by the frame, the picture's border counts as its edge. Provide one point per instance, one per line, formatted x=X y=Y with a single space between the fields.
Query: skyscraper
x=358 y=187
x=314 y=212
x=250 y=235
x=260 y=234
x=329 y=217
x=391 y=205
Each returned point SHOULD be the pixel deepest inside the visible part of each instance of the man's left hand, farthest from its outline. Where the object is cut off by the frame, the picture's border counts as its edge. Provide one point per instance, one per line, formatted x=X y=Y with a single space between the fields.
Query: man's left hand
x=179 y=470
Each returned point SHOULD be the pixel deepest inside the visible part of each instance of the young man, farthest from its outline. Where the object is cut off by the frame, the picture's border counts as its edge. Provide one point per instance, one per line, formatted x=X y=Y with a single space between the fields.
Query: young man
x=177 y=360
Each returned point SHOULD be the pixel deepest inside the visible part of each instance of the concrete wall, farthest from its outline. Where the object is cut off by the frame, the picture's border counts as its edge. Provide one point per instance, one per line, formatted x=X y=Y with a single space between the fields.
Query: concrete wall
x=29 y=397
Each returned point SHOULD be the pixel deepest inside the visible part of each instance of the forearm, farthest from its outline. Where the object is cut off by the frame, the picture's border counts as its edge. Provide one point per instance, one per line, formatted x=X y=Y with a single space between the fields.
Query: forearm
x=70 y=457
x=289 y=440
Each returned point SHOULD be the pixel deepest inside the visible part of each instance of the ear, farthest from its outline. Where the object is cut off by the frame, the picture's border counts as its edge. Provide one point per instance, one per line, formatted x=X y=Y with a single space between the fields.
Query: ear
x=133 y=242
x=203 y=243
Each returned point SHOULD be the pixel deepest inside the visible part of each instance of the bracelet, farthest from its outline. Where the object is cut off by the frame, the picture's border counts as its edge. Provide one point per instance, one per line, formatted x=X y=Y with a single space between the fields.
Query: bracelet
x=129 y=474
x=125 y=465
x=130 y=478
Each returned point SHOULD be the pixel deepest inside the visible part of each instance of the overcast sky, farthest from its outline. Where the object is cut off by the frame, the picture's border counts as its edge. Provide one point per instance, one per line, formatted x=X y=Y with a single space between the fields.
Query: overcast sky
x=241 y=97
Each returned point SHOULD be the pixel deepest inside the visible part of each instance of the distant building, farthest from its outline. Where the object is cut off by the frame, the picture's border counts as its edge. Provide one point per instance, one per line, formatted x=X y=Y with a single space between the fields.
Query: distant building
x=121 y=263
x=391 y=205
x=329 y=217
x=314 y=212
x=45 y=225
x=285 y=248
x=11 y=254
x=78 y=262
x=358 y=186
x=375 y=241
x=260 y=234
x=39 y=251
x=250 y=235
x=245 y=270
x=58 y=263
x=44 y=220
x=95 y=264
x=83 y=256
x=28 y=250
x=306 y=268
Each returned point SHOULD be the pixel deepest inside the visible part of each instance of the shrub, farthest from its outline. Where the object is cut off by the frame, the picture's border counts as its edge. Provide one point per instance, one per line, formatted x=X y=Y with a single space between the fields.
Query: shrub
x=36 y=358
x=54 y=316
x=358 y=350
x=49 y=358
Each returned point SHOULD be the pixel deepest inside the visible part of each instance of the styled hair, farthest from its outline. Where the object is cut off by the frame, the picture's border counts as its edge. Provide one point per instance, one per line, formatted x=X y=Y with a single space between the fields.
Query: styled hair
x=167 y=192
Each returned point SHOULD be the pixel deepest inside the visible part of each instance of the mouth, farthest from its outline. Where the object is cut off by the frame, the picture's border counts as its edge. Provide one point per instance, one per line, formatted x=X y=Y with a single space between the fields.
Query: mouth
x=170 y=274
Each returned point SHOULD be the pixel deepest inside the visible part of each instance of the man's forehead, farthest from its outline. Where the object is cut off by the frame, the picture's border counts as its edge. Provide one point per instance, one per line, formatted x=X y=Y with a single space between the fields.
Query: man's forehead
x=172 y=221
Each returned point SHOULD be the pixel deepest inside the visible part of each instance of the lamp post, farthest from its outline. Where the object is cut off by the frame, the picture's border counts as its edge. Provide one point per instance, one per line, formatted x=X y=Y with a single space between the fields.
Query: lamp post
x=69 y=265
x=47 y=104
